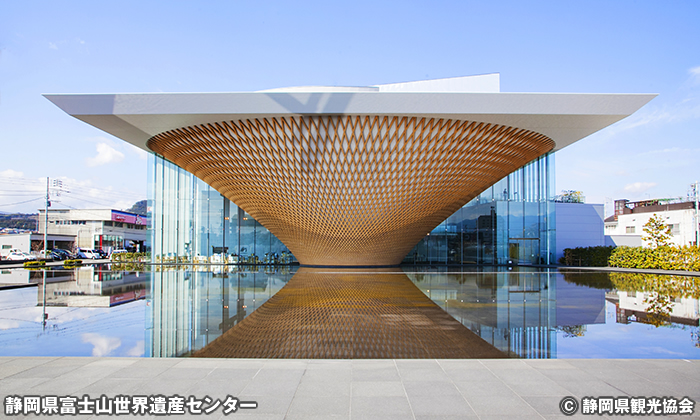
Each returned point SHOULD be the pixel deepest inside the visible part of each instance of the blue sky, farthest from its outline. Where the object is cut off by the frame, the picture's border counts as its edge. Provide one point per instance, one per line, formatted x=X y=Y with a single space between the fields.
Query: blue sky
x=185 y=46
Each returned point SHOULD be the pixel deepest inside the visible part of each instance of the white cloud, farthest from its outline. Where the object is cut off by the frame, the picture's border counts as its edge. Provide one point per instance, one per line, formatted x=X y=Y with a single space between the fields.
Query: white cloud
x=123 y=204
x=9 y=173
x=639 y=187
x=102 y=346
x=105 y=154
x=694 y=76
x=53 y=46
x=137 y=350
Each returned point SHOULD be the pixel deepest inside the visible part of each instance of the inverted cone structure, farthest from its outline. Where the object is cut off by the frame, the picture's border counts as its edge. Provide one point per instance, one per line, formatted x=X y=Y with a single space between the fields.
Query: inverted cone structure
x=350 y=190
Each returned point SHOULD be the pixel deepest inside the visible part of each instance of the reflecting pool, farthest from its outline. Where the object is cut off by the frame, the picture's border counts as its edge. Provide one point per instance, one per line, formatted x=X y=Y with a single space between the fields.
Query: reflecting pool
x=292 y=312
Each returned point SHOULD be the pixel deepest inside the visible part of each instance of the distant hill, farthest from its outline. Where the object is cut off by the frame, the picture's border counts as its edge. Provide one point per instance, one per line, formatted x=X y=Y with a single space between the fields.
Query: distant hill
x=18 y=220
x=139 y=207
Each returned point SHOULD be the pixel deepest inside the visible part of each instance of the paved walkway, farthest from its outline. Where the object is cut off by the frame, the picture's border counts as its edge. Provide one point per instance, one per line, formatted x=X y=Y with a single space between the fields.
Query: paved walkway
x=361 y=389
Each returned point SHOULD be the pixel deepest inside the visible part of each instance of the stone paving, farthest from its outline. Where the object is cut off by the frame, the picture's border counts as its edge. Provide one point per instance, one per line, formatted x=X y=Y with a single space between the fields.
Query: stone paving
x=360 y=389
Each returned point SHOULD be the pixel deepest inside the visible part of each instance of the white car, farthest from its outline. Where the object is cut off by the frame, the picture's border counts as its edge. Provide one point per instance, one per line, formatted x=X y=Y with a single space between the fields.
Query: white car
x=20 y=256
x=87 y=254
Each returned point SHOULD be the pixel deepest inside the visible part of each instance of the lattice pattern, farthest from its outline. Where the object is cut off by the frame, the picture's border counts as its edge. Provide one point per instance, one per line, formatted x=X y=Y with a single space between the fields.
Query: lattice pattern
x=349 y=316
x=350 y=190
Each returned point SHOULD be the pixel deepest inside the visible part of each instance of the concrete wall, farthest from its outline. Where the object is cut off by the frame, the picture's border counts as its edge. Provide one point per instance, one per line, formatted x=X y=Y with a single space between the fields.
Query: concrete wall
x=578 y=225
x=623 y=240
x=21 y=241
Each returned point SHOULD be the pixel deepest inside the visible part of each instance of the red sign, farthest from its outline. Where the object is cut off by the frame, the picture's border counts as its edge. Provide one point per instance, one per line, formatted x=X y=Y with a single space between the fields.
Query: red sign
x=135 y=219
x=125 y=297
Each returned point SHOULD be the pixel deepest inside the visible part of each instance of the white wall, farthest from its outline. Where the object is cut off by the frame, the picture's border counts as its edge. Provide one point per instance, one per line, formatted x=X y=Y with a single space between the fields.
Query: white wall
x=684 y=234
x=623 y=240
x=578 y=225
x=20 y=241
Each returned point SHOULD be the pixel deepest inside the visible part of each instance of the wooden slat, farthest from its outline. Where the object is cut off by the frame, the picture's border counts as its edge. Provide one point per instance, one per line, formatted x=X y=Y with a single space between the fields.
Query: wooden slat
x=350 y=190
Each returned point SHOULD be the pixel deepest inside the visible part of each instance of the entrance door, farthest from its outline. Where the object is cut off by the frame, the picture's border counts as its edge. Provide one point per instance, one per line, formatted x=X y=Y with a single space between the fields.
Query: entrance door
x=524 y=250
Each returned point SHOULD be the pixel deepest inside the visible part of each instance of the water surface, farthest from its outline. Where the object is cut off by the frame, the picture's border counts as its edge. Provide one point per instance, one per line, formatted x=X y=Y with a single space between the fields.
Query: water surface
x=180 y=311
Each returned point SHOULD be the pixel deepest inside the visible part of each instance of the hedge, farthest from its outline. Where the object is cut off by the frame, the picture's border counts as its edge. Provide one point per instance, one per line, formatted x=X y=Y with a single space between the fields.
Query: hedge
x=34 y=263
x=685 y=258
x=131 y=257
x=592 y=256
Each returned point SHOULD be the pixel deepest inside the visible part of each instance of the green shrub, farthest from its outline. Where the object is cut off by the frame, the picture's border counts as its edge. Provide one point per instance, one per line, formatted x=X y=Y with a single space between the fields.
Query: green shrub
x=664 y=257
x=34 y=263
x=592 y=256
x=131 y=257
x=685 y=258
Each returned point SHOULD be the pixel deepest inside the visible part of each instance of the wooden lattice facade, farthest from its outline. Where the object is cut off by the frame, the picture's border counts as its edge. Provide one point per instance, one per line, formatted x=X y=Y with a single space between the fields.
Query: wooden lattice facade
x=350 y=190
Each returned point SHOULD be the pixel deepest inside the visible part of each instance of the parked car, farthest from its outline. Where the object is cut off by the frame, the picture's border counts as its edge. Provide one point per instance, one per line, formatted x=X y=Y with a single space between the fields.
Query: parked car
x=65 y=255
x=50 y=255
x=20 y=256
x=59 y=256
x=86 y=253
x=101 y=253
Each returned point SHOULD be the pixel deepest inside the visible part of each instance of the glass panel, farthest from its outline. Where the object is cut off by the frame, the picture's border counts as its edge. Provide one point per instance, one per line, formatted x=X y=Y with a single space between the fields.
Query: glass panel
x=192 y=222
x=513 y=220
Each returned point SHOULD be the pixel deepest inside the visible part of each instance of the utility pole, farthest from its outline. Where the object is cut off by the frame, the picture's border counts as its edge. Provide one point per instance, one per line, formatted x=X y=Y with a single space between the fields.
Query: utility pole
x=46 y=215
x=45 y=316
x=697 y=221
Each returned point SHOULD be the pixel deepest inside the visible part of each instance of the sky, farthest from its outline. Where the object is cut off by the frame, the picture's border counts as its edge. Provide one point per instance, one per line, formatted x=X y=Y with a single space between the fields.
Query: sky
x=227 y=46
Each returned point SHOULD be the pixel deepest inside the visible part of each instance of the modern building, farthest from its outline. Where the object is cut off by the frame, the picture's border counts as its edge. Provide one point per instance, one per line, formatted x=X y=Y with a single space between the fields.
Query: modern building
x=354 y=176
x=98 y=228
x=578 y=225
x=626 y=226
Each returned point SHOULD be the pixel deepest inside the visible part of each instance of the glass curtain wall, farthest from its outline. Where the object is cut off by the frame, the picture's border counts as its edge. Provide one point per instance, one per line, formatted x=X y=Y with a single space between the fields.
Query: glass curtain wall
x=510 y=222
x=191 y=308
x=193 y=223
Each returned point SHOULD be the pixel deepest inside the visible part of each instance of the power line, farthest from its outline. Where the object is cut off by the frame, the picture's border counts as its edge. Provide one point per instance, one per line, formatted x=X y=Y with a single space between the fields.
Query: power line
x=75 y=187
x=21 y=202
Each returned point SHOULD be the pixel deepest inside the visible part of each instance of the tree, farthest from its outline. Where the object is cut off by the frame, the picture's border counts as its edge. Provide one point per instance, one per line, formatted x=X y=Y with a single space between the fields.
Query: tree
x=657 y=232
x=570 y=196
x=139 y=207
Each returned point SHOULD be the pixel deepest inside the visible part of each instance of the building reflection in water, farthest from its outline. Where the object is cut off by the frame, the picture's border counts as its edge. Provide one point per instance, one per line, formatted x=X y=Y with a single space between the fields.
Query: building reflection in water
x=518 y=311
x=91 y=287
x=191 y=308
x=329 y=314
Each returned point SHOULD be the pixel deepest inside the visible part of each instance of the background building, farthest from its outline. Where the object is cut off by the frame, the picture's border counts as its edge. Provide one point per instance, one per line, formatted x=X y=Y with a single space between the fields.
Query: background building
x=98 y=228
x=626 y=226
x=33 y=242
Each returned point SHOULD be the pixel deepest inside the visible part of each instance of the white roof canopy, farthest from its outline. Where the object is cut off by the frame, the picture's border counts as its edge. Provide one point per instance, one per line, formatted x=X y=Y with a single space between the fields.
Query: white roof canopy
x=564 y=117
